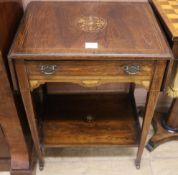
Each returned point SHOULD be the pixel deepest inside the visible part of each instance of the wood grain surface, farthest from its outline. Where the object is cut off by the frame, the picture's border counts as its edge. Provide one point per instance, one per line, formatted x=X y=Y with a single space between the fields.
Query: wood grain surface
x=111 y=124
x=4 y=153
x=26 y=2
x=58 y=34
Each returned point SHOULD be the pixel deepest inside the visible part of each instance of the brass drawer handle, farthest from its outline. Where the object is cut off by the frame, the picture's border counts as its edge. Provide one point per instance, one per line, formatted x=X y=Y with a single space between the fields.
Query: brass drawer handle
x=132 y=69
x=48 y=69
x=89 y=118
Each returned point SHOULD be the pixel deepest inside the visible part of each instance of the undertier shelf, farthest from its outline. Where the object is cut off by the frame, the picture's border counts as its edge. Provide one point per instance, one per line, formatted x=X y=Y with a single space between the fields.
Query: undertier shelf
x=90 y=119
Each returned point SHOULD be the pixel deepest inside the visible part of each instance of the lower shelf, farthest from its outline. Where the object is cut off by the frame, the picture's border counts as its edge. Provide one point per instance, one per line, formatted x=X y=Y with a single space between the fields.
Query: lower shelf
x=93 y=119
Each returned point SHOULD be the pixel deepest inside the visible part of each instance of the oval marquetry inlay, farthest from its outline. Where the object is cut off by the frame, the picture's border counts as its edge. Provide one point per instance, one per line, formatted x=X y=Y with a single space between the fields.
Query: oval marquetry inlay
x=90 y=23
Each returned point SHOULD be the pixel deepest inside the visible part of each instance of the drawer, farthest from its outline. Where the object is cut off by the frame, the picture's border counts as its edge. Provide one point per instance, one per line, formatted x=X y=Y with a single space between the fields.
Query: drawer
x=89 y=68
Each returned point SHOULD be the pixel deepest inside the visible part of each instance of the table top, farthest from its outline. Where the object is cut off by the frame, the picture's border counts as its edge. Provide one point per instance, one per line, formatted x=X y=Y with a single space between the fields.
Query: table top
x=62 y=30
x=168 y=11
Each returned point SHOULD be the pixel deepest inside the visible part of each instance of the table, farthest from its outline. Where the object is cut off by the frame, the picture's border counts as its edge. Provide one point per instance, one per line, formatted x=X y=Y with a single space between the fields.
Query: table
x=89 y=43
x=166 y=125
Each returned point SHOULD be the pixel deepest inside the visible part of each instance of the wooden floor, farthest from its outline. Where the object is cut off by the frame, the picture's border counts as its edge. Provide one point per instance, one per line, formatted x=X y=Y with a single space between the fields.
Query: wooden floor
x=93 y=119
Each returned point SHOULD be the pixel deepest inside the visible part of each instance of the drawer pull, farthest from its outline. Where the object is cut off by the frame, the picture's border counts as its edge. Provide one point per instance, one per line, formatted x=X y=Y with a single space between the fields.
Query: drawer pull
x=48 y=69
x=132 y=69
x=89 y=118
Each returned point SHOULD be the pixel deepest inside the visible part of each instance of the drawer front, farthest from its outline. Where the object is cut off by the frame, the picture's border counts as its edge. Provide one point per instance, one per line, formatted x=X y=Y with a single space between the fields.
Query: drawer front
x=48 y=69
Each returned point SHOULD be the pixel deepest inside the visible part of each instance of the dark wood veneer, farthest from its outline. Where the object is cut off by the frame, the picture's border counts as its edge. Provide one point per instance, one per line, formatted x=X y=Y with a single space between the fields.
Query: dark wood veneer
x=56 y=35
x=51 y=48
x=111 y=124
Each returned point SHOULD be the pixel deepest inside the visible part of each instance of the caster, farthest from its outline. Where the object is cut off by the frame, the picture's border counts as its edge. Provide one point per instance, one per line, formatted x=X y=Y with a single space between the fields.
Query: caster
x=42 y=149
x=149 y=146
x=140 y=111
x=137 y=164
x=41 y=165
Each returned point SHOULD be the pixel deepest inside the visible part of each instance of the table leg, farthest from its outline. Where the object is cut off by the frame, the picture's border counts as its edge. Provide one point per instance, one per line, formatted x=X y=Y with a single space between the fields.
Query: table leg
x=149 y=112
x=28 y=104
x=151 y=102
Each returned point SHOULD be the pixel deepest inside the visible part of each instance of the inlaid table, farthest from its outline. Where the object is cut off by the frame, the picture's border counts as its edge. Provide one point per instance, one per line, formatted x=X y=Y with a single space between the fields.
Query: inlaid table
x=89 y=43
x=166 y=125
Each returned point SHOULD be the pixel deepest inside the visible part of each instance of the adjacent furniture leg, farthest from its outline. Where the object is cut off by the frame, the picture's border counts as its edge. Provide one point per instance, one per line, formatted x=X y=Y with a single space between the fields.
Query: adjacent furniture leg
x=166 y=128
x=20 y=155
x=31 y=170
x=172 y=120
x=11 y=126
x=4 y=153
x=28 y=104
